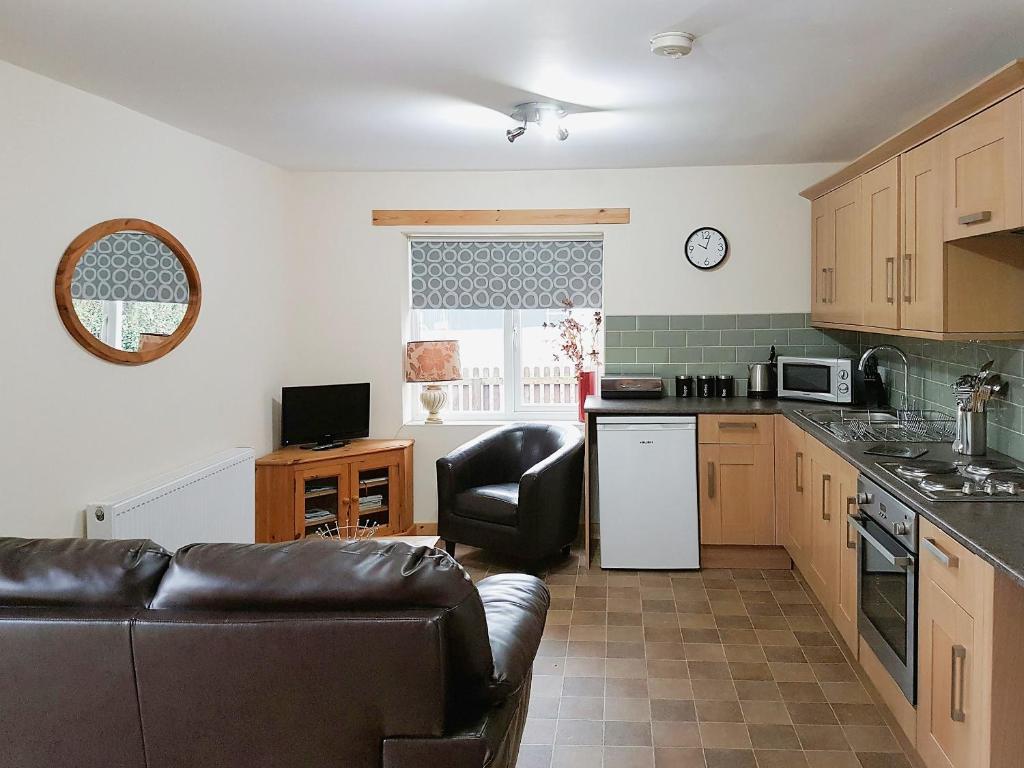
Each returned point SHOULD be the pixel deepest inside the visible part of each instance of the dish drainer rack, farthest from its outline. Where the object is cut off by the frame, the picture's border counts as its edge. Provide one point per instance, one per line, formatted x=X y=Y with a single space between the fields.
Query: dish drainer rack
x=904 y=427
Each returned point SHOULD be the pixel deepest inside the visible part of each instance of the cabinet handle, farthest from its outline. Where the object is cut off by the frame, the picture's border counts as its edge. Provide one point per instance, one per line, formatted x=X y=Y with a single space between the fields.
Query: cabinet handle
x=907 y=260
x=737 y=425
x=956 y=692
x=850 y=501
x=944 y=557
x=975 y=218
x=711 y=479
x=832 y=285
x=823 y=284
x=825 y=514
x=799 y=471
x=890 y=280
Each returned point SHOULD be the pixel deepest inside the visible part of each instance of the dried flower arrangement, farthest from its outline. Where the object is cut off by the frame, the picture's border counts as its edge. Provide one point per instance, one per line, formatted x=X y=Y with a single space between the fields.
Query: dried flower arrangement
x=574 y=338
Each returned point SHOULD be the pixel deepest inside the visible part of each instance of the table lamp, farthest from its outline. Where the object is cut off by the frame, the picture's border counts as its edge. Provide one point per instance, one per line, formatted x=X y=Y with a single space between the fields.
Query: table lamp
x=430 y=362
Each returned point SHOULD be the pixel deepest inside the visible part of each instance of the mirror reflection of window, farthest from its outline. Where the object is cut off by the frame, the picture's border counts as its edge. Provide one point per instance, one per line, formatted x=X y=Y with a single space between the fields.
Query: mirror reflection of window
x=130 y=291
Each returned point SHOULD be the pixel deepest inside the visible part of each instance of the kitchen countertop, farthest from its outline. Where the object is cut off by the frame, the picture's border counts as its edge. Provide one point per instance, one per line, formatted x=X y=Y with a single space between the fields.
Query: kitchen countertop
x=992 y=530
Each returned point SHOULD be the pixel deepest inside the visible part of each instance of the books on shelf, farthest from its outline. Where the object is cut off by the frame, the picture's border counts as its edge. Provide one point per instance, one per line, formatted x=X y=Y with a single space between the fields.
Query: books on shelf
x=373 y=500
x=315 y=514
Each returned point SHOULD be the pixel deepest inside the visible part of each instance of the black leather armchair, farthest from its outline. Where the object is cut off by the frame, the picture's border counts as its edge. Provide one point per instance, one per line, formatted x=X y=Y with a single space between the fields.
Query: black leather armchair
x=515 y=490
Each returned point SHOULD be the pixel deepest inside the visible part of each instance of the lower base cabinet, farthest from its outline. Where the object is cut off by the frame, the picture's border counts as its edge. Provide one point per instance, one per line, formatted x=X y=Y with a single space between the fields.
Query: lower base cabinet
x=970 y=711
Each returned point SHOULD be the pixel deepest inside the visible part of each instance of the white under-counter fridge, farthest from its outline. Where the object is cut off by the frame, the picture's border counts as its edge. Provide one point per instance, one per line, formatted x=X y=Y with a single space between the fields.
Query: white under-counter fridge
x=647 y=492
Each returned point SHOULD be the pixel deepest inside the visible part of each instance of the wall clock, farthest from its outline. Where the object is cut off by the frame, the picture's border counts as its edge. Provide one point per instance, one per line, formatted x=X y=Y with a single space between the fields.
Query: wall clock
x=706 y=248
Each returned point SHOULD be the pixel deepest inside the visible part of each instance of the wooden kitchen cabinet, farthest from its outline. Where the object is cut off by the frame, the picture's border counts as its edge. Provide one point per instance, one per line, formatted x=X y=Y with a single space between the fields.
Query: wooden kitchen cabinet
x=970 y=621
x=839 y=264
x=792 y=515
x=737 y=480
x=844 y=615
x=822 y=259
x=982 y=172
x=914 y=265
x=827 y=560
x=880 y=240
x=922 y=266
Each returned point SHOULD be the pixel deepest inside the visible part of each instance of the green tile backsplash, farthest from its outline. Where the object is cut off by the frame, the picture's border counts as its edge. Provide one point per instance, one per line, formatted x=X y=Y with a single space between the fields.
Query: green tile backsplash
x=674 y=345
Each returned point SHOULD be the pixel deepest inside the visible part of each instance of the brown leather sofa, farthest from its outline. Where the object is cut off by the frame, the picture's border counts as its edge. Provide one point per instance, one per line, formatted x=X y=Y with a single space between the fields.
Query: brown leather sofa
x=314 y=654
x=515 y=490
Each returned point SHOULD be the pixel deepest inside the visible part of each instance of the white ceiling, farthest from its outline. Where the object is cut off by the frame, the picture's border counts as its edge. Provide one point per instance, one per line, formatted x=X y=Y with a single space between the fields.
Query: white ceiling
x=427 y=84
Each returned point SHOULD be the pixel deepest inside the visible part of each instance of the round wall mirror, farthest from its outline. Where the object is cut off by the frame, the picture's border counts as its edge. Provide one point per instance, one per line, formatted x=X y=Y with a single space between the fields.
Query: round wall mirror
x=127 y=291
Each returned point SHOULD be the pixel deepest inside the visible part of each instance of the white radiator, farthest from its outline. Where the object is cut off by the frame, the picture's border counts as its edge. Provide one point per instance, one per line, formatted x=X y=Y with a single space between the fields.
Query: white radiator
x=210 y=501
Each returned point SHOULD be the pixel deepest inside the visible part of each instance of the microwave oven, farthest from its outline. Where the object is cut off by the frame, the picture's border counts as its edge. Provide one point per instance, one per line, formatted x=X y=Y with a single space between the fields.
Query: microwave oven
x=828 y=379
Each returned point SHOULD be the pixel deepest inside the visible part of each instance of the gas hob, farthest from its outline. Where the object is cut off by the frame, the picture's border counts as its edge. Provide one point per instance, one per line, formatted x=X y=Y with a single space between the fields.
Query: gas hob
x=973 y=479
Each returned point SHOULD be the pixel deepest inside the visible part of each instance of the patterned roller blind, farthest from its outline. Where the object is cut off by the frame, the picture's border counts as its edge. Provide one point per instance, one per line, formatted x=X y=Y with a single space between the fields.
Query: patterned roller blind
x=130 y=266
x=506 y=274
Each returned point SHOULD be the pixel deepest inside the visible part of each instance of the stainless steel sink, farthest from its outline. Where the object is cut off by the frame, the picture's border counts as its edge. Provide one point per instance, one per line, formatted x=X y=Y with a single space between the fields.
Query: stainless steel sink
x=882 y=426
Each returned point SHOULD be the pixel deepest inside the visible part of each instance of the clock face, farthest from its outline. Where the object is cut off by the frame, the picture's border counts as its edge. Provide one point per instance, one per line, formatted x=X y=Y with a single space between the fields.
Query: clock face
x=706 y=248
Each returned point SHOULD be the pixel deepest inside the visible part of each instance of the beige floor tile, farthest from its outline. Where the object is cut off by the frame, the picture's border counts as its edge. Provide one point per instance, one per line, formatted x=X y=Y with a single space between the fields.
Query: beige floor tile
x=583 y=686
x=581 y=708
x=676 y=757
x=827 y=737
x=871 y=738
x=746 y=670
x=675 y=734
x=696 y=620
x=882 y=760
x=676 y=668
x=625 y=667
x=780 y=758
x=587 y=632
x=811 y=714
x=785 y=672
x=673 y=710
x=724 y=736
x=579 y=732
x=729 y=758
x=587 y=649
x=773 y=736
x=834 y=673
x=546 y=685
x=845 y=693
x=583 y=667
x=670 y=688
x=626 y=687
x=628 y=757
x=801 y=692
x=711 y=711
x=832 y=759
x=538 y=731
x=764 y=712
x=858 y=714
x=714 y=689
x=618 y=634
x=534 y=756
x=776 y=637
x=757 y=690
x=704 y=652
x=619 y=733
x=576 y=756
x=753 y=653
x=634 y=710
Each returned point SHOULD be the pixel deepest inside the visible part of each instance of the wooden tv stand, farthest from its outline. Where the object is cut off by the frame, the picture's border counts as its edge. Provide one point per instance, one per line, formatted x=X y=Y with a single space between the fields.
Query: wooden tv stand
x=293 y=482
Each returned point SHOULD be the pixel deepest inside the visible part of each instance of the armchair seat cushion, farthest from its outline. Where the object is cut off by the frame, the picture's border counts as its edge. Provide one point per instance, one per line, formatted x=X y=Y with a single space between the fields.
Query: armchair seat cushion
x=498 y=503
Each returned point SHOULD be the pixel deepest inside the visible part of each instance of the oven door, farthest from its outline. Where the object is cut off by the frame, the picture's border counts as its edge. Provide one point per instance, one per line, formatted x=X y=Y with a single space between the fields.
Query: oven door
x=807 y=379
x=887 y=601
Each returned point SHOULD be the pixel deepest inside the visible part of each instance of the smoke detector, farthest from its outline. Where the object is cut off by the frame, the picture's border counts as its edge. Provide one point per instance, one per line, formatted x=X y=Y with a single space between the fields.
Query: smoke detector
x=674 y=45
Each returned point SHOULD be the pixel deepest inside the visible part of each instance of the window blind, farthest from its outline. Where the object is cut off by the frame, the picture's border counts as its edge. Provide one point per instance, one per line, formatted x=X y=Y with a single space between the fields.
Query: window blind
x=130 y=266
x=506 y=274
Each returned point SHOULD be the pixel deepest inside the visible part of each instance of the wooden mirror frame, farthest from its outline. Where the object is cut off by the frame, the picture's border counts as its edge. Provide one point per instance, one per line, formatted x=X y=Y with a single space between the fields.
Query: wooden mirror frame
x=66 y=272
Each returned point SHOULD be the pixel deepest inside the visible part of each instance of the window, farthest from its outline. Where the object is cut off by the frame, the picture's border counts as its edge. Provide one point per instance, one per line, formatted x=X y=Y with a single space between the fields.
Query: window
x=119 y=324
x=494 y=297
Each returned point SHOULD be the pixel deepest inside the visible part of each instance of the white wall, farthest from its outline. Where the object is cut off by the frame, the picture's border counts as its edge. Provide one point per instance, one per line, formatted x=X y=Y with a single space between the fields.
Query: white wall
x=72 y=427
x=355 y=276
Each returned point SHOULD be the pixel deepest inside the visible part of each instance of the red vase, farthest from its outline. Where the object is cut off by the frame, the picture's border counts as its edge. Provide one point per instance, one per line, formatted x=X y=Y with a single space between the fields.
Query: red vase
x=586 y=382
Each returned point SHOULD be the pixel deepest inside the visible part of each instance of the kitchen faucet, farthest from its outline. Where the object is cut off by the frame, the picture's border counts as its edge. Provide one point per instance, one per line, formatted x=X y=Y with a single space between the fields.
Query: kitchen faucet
x=906 y=368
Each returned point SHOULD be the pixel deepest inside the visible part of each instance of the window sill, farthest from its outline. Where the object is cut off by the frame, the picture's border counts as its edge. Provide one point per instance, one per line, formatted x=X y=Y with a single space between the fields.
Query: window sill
x=495 y=422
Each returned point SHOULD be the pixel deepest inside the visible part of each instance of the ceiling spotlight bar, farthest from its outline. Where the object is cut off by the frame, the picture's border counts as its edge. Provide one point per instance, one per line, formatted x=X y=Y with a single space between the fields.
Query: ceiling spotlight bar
x=547 y=115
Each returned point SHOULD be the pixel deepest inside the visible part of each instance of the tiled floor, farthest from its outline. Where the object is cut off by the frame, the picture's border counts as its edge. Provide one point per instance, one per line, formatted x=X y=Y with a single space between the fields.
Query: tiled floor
x=716 y=669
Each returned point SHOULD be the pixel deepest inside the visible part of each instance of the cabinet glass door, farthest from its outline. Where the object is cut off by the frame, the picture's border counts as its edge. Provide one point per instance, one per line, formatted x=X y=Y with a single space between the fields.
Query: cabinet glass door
x=322 y=501
x=376 y=497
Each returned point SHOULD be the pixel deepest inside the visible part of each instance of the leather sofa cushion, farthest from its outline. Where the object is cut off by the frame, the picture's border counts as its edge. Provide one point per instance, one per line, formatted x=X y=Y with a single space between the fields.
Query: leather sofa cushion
x=328 y=576
x=516 y=606
x=498 y=503
x=94 y=573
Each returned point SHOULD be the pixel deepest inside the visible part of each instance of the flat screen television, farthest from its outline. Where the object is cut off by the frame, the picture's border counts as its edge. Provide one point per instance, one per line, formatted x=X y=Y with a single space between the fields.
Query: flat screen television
x=325 y=416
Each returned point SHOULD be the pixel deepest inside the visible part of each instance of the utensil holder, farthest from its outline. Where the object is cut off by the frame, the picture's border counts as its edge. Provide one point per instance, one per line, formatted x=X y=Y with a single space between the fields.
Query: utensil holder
x=971 y=433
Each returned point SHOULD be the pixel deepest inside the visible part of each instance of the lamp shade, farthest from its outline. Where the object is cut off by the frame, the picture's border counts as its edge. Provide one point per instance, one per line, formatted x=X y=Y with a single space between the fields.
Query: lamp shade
x=427 y=361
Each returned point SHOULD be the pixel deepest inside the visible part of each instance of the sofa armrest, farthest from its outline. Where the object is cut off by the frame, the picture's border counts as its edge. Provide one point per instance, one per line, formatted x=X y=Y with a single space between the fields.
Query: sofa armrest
x=488 y=739
x=516 y=606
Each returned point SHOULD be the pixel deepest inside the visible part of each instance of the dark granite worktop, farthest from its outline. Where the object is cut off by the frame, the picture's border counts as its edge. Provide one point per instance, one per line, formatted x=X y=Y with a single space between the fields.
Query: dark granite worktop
x=992 y=530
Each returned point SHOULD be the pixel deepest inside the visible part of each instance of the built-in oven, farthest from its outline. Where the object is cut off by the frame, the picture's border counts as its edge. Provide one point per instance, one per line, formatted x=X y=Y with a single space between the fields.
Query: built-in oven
x=887 y=581
x=829 y=379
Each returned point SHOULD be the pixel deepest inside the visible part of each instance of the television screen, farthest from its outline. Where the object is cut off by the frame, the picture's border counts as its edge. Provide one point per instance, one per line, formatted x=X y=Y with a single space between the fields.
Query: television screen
x=325 y=415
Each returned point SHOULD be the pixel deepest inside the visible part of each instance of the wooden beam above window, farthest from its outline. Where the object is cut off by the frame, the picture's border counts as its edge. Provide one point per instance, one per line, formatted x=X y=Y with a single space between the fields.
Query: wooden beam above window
x=503 y=217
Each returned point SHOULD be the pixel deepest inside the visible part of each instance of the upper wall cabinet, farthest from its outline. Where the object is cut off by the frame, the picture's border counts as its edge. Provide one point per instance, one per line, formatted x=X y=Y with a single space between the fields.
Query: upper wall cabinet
x=981 y=171
x=924 y=235
x=880 y=240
